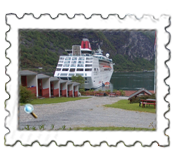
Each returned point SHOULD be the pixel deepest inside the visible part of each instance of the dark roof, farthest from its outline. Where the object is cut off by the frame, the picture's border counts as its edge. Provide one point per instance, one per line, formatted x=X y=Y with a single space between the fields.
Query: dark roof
x=27 y=72
x=54 y=79
x=62 y=81
x=138 y=92
x=69 y=82
x=75 y=83
x=42 y=76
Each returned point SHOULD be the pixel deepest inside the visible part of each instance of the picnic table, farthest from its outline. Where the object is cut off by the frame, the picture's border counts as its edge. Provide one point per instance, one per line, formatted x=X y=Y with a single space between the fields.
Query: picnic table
x=148 y=102
x=99 y=94
x=112 y=94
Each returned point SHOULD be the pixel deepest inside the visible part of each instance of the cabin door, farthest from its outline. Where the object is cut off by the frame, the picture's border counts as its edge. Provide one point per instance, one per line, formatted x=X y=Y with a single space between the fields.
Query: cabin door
x=40 y=87
x=24 y=81
x=51 y=88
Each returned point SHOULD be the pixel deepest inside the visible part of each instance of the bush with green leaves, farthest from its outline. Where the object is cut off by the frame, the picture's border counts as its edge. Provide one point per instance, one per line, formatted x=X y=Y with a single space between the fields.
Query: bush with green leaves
x=108 y=91
x=81 y=90
x=25 y=95
x=122 y=93
x=79 y=79
x=137 y=99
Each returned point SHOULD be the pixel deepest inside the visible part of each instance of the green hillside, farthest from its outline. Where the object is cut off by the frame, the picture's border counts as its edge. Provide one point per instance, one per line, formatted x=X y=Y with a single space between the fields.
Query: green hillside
x=42 y=48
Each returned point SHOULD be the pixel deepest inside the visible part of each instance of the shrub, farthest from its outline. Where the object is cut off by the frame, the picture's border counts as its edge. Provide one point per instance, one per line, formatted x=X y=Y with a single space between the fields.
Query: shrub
x=115 y=91
x=25 y=95
x=81 y=90
x=79 y=79
x=137 y=99
x=107 y=91
x=122 y=93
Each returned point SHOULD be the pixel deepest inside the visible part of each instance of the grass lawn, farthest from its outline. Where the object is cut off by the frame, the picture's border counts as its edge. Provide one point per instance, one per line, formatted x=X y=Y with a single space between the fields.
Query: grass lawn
x=113 y=128
x=126 y=105
x=110 y=128
x=55 y=100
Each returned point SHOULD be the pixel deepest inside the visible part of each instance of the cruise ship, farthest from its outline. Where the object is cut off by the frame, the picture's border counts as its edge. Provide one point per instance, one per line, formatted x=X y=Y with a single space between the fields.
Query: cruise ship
x=96 y=68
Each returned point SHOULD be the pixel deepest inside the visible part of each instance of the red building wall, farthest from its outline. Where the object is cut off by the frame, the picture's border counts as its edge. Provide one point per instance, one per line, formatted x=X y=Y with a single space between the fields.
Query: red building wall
x=33 y=90
x=45 y=92
x=76 y=94
x=56 y=92
x=64 y=93
x=70 y=93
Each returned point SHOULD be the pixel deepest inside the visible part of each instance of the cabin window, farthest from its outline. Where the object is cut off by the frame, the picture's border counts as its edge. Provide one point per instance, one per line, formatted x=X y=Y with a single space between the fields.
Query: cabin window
x=71 y=74
x=87 y=65
x=63 y=74
x=65 y=69
x=79 y=74
x=81 y=62
x=66 y=62
x=88 y=61
x=79 y=69
x=58 y=69
x=63 y=78
x=89 y=58
x=74 y=62
x=81 y=58
x=61 y=58
x=80 y=65
x=59 y=65
x=68 y=58
x=88 y=69
x=72 y=70
x=66 y=65
x=73 y=65
x=74 y=58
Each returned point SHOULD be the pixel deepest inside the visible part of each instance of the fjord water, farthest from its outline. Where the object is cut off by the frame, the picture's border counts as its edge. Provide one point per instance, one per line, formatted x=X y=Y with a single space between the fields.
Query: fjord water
x=131 y=81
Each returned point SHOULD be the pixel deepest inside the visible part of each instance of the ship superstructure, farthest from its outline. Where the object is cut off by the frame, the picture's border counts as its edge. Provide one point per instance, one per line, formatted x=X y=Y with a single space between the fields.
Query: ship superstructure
x=96 y=68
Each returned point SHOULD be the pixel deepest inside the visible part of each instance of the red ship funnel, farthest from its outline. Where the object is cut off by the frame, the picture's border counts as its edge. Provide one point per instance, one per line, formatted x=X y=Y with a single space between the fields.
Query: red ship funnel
x=85 y=44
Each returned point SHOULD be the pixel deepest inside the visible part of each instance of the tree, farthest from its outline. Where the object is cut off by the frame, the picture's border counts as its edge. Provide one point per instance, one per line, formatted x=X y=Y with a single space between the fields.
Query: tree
x=79 y=79
x=25 y=95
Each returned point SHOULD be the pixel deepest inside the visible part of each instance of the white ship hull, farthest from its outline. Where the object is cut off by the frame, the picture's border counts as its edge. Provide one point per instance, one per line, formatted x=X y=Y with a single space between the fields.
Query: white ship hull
x=98 y=78
x=95 y=68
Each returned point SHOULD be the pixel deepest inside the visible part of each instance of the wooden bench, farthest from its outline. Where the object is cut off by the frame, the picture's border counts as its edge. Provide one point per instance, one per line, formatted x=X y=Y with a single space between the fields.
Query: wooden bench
x=112 y=94
x=148 y=102
x=99 y=94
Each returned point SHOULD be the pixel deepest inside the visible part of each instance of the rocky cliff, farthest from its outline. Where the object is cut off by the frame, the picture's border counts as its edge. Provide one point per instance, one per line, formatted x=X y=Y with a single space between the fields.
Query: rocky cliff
x=130 y=50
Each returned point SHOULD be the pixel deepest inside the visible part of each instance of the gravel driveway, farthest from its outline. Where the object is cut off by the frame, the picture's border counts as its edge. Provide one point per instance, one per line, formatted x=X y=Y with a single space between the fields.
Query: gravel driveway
x=86 y=112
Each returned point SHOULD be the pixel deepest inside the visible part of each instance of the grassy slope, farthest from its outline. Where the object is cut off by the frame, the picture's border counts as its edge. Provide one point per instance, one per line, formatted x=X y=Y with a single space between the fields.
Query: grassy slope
x=55 y=100
x=40 y=49
x=124 y=104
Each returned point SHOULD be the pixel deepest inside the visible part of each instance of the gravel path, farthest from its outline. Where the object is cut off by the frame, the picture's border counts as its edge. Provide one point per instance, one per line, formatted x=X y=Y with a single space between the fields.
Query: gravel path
x=86 y=112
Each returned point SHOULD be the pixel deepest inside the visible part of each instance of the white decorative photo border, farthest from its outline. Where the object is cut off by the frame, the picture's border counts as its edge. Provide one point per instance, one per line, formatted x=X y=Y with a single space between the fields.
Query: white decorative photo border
x=95 y=22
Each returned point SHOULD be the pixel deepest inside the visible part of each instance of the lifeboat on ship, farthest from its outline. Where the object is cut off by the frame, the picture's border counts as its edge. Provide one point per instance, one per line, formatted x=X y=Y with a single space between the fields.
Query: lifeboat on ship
x=107 y=84
x=106 y=66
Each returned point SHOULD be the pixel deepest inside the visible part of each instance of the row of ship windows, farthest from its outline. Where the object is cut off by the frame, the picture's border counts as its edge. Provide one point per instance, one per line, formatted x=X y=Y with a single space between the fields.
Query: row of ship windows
x=74 y=65
x=69 y=78
x=71 y=74
x=74 y=58
x=73 y=69
x=81 y=62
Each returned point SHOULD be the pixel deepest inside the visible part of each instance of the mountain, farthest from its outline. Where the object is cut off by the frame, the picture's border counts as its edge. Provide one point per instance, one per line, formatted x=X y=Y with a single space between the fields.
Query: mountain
x=130 y=50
